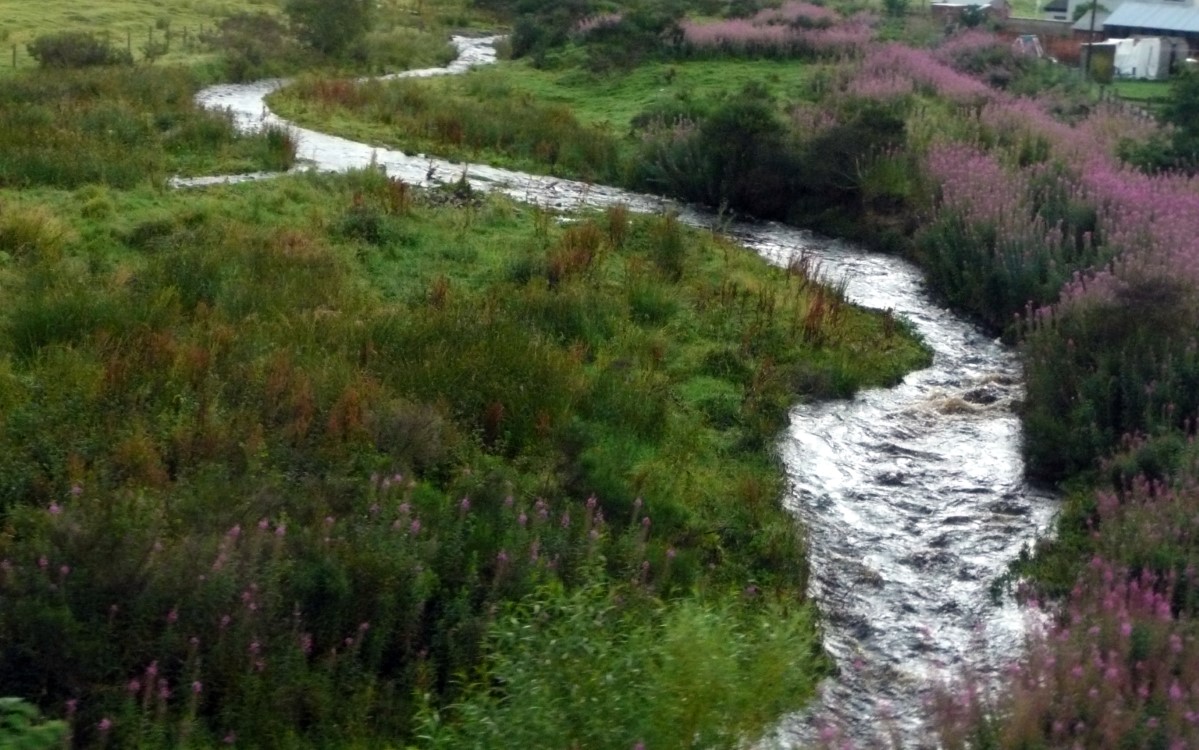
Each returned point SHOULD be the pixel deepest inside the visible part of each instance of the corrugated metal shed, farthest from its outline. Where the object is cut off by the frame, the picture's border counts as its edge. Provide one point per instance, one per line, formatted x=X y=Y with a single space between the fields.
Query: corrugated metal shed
x=1165 y=16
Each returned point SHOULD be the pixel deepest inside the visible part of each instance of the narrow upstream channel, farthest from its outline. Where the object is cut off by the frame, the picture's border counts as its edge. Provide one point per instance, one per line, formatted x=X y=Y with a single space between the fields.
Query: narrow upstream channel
x=913 y=496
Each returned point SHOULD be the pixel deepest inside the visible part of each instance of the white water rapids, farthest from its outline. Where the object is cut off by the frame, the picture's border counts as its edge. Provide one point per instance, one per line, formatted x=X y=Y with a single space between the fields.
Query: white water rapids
x=913 y=497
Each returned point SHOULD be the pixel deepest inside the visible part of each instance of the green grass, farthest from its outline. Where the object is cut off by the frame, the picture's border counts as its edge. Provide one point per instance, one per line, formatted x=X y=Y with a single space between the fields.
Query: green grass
x=122 y=126
x=612 y=101
x=1144 y=91
x=192 y=361
x=606 y=104
x=133 y=22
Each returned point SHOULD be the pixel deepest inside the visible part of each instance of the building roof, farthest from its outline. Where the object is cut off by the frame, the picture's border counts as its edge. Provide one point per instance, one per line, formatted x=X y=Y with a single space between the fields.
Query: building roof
x=1166 y=17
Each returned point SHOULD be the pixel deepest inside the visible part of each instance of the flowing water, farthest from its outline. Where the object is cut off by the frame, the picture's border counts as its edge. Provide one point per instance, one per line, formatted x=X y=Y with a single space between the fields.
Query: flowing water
x=913 y=496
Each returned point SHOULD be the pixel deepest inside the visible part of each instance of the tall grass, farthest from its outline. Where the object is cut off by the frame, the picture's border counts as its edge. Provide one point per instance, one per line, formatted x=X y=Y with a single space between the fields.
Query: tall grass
x=517 y=129
x=123 y=126
x=271 y=480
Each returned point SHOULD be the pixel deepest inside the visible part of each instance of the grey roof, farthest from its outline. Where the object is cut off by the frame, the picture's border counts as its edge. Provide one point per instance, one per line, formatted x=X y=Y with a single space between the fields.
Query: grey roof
x=1167 y=17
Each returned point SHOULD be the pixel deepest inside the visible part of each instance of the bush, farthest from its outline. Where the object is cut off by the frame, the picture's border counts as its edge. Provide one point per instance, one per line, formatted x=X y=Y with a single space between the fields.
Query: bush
x=21 y=727
x=76 y=49
x=255 y=45
x=331 y=27
x=667 y=675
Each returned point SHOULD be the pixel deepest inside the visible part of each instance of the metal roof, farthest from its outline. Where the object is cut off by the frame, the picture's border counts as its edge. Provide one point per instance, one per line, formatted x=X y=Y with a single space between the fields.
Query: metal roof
x=1171 y=16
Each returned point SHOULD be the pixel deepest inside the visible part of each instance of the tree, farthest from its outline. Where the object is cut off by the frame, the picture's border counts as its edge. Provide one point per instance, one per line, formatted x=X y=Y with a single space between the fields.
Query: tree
x=1181 y=110
x=331 y=27
x=1082 y=9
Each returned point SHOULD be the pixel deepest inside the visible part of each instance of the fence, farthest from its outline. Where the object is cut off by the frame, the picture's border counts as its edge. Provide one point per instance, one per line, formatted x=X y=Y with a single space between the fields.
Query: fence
x=145 y=44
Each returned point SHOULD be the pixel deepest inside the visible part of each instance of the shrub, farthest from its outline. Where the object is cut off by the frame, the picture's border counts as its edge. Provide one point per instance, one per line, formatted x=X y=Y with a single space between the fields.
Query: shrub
x=76 y=49
x=331 y=27
x=688 y=674
x=254 y=45
x=21 y=727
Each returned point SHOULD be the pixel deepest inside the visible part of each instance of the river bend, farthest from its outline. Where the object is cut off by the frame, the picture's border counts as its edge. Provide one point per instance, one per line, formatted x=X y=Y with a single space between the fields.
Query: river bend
x=913 y=496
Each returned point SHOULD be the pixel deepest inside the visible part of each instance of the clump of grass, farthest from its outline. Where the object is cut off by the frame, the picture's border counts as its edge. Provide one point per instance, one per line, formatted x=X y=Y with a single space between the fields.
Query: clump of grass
x=33 y=232
x=124 y=126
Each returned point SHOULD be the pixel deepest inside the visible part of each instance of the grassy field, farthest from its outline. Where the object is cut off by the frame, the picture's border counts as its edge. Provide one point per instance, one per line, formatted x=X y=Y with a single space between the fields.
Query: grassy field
x=599 y=111
x=612 y=101
x=134 y=22
x=1141 y=90
x=126 y=22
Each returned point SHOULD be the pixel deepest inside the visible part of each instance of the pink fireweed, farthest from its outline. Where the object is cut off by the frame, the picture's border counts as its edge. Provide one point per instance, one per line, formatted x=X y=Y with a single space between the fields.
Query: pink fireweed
x=794 y=13
x=596 y=22
x=924 y=71
x=796 y=29
x=1116 y=670
x=966 y=43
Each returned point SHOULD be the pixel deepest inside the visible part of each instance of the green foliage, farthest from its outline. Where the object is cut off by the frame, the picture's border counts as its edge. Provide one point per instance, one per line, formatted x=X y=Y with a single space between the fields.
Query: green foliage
x=736 y=156
x=972 y=16
x=833 y=161
x=1181 y=110
x=334 y=28
x=75 y=49
x=1128 y=367
x=195 y=390
x=253 y=46
x=512 y=128
x=895 y=8
x=668 y=675
x=1082 y=9
x=124 y=126
x=403 y=48
x=21 y=727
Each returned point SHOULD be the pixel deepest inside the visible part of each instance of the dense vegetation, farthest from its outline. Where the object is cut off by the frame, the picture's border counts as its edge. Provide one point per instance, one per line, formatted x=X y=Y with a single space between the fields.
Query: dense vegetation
x=333 y=460
x=1063 y=224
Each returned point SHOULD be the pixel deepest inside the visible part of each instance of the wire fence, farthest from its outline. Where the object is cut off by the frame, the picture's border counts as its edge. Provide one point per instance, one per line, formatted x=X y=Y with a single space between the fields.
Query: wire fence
x=147 y=43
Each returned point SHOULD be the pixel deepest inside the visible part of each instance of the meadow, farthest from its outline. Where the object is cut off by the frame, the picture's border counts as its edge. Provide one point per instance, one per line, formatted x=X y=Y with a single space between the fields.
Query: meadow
x=131 y=23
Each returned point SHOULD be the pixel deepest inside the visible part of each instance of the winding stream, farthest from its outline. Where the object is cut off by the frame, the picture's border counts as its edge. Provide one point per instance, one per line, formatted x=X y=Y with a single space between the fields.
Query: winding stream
x=913 y=496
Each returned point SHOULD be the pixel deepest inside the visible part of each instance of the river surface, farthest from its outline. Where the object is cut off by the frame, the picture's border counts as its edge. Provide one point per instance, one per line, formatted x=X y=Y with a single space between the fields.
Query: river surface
x=913 y=497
